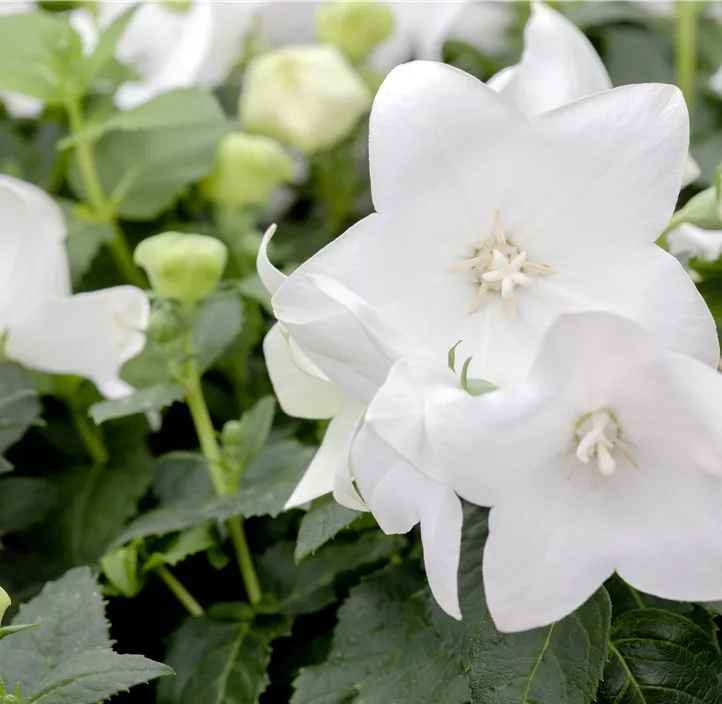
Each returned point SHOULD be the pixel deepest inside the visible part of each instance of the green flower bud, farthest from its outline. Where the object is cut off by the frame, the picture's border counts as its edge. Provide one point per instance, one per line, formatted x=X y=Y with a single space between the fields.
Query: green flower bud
x=248 y=169
x=165 y=325
x=5 y=602
x=232 y=433
x=309 y=97
x=180 y=266
x=354 y=26
x=177 y=5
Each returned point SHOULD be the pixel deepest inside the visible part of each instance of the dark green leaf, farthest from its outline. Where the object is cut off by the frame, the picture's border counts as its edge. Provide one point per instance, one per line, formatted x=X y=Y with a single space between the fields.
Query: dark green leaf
x=220 y=662
x=19 y=406
x=121 y=570
x=151 y=398
x=23 y=502
x=323 y=521
x=189 y=542
x=182 y=478
x=73 y=622
x=94 y=677
x=658 y=657
x=244 y=439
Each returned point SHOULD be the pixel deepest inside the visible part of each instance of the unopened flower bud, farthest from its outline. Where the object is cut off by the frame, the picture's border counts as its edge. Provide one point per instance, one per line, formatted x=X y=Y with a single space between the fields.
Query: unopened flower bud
x=309 y=97
x=354 y=26
x=165 y=325
x=183 y=267
x=232 y=434
x=248 y=169
x=5 y=602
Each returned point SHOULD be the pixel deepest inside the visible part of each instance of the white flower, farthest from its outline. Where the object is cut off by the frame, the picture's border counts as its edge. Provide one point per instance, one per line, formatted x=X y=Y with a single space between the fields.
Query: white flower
x=170 y=47
x=559 y=65
x=46 y=328
x=605 y=458
x=17 y=104
x=309 y=97
x=490 y=224
x=692 y=241
x=304 y=391
x=421 y=27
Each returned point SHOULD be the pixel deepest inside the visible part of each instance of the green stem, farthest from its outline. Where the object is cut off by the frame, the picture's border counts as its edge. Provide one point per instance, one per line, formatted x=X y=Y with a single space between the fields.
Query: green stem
x=686 y=49
x=214 y=461
x=96 y=196
x=90 y=437
x=183 y=595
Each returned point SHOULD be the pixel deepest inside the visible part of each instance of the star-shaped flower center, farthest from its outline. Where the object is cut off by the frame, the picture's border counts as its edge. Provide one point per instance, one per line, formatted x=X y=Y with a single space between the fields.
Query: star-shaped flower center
x=598 y=434
x=498 y=265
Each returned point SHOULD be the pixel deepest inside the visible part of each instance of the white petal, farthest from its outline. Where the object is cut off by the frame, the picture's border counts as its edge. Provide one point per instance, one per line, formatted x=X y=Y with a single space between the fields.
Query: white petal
x=24 y=107
x=546 y=554
x=300 y=394
x=558 y=65
x=691 y=171
x=332 y=457
x=693 y=241
x=90 y=334
x=399 y=497
x=270 y=276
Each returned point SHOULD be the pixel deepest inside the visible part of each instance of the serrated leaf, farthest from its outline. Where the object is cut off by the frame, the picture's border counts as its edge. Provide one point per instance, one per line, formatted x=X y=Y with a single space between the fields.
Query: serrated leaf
x=251 y=433
x=189 y=542
x=24 y=501
x=94 y=677
x=19 y=407
x=558 y=664
x=220 y=663
x=264 y=489
x=151 y=398
x=324 y=520
x=658 y=657
x=36 y=51
x=181 y=478
x=71 y=613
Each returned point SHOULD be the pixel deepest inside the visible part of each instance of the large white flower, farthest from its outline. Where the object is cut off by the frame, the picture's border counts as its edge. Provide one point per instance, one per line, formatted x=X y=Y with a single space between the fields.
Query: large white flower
x=421 y=27
x=170 y=47
x=46 y=328
x=605 y=458
x=687 y=241
x=558 y=65
x=491 y=223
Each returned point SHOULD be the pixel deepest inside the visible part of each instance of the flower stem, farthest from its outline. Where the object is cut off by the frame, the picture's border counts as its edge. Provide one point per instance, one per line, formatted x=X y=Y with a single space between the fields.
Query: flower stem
x=214 y=461
x=183 y=595
x=90 y=436
x=686 y=49
x=96 y=196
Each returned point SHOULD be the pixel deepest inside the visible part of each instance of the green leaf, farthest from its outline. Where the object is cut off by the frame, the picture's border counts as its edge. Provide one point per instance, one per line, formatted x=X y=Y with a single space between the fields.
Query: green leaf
x=701 y=210
x=244 y=439
x=309 y=586
x=73 y=622
x=144 y=172
x=189 y=542
x=19 y=406
x=86 y=237
x=264 y=489
x=558 y=664
x=37 y=51
x=323 y=521
x=371 y=629
x=24 y=501
x=151 y=398
x=95 y=676
x=121 y=570
x=182 y=477
x=658 y=657
x=220 y=663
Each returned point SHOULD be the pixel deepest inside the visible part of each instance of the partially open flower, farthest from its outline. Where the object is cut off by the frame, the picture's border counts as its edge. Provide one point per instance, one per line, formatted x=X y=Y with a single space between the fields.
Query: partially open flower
x=308 y=97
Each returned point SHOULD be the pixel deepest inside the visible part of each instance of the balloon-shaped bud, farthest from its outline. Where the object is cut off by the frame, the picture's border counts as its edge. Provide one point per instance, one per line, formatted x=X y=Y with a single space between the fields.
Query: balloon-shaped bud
x=309 y=97
x=5 y=602
x=165 y=324
x=184 y=267
x=354 y=26
x=248 y=169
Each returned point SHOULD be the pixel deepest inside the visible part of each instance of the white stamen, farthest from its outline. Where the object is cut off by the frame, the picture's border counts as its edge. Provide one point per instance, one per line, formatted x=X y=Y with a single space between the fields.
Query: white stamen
x=598 y=435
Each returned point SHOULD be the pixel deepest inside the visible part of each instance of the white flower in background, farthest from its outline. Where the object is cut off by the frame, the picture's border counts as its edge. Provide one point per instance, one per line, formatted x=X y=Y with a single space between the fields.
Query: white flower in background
x=559 y=65
x=421 y=27
x=690 y=241
x=46 y=327
x=490 y=224
x=17 y=104
x=605 y=458
x=309 y=97
x=171 y=47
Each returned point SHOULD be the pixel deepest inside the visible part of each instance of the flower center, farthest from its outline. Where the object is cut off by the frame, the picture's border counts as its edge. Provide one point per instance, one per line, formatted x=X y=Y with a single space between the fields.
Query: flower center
x=599 y=435
x=498 y=265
